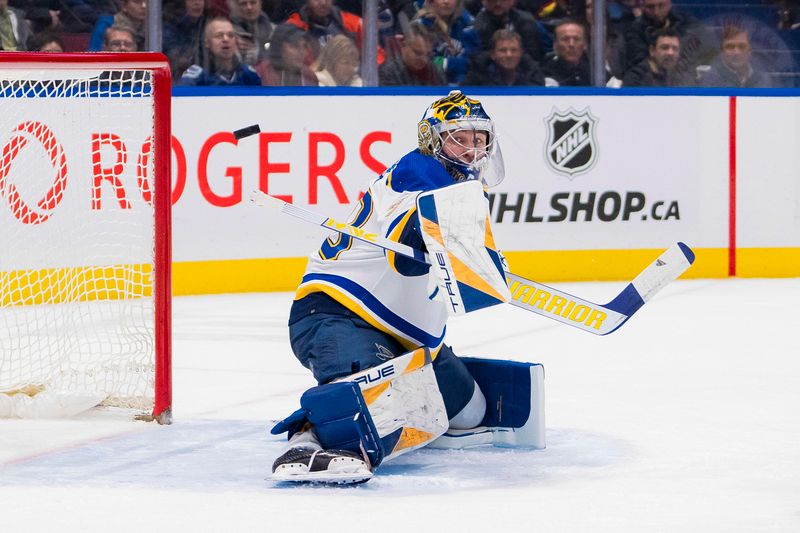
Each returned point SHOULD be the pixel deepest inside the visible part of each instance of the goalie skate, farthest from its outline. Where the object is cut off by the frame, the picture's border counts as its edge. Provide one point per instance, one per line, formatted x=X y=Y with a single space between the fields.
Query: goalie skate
x=312 y=465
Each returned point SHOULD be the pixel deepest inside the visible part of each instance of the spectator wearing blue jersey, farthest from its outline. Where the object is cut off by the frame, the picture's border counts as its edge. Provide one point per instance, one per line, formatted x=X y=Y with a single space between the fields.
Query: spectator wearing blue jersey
x=224 y=67
x=456 y=40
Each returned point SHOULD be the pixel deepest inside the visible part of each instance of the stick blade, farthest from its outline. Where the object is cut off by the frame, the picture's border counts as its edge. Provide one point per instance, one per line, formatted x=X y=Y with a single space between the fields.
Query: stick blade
x=263 y=199
x=666 y=268
x=687 y=252
x=673 y=262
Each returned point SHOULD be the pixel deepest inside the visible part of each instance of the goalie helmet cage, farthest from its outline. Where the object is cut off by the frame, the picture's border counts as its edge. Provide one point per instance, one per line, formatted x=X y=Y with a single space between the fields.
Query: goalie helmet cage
x=85 y=246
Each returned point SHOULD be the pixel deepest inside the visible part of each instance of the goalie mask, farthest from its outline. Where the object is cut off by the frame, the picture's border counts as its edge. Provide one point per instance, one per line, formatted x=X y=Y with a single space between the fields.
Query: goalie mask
x=457 y=131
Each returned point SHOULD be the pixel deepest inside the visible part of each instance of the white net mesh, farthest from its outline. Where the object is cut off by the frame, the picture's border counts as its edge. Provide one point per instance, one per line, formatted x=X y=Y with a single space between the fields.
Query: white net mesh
x=77 y=234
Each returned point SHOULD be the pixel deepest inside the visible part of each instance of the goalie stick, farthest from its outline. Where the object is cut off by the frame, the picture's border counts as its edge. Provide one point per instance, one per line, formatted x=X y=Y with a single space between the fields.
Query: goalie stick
x=527 y=294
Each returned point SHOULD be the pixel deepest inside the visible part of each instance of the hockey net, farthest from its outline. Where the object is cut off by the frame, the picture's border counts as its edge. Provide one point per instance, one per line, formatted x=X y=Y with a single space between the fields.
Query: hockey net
x=84 y=234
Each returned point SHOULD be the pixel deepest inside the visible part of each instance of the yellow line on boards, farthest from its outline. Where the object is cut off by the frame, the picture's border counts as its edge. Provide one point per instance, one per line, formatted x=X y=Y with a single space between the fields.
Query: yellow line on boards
x=237 y=275
x=63 y=285
x=767 y=262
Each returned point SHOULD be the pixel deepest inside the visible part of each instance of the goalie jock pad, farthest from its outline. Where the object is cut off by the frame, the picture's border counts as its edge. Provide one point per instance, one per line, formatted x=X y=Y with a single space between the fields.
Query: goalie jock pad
x=466 y=267
x=382 y=412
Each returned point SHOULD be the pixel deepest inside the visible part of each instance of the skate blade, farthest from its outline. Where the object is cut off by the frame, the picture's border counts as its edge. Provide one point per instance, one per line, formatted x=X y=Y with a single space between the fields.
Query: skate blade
x=299 y=474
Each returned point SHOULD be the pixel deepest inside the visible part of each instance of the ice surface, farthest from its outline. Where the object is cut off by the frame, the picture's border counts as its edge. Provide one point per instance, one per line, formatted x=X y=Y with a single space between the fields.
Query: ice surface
x=686 y=419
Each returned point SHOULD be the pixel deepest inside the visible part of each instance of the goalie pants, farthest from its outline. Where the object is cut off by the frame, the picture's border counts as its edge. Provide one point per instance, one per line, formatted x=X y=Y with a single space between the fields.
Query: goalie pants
x=333 y=342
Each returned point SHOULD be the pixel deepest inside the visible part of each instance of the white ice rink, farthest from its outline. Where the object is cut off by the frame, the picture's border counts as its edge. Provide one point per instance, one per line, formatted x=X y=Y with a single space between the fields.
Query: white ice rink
x=686 y=419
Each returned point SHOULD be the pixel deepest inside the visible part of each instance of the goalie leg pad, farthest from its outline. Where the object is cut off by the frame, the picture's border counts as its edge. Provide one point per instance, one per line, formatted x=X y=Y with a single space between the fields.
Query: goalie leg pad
x=515 y=406
x=382 y=412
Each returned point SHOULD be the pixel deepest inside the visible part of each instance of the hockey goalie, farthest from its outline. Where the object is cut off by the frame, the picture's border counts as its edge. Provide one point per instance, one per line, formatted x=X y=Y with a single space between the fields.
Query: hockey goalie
x=370 y=324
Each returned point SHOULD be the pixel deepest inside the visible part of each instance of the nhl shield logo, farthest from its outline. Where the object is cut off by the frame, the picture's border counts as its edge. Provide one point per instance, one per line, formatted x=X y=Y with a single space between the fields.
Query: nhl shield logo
x=571 y=147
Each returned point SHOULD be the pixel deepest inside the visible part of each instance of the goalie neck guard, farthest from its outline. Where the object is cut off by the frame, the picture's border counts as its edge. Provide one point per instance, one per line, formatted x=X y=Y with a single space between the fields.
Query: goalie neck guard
x=458 y=113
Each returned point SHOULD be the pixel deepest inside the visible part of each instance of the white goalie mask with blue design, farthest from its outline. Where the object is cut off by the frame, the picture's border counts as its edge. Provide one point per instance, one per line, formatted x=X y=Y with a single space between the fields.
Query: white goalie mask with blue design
x=457 y=131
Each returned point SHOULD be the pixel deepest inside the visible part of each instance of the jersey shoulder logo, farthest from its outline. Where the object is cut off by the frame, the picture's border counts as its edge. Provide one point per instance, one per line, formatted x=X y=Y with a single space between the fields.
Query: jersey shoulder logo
x=571 y=146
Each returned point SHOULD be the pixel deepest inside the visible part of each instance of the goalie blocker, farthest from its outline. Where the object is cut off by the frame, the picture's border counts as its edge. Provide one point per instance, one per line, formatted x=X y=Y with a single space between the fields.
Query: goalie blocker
x=391 y=409
x=466 y=267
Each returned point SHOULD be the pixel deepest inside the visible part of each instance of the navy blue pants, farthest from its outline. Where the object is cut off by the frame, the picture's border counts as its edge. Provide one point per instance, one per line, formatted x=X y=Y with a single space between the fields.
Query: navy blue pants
x=333 y=342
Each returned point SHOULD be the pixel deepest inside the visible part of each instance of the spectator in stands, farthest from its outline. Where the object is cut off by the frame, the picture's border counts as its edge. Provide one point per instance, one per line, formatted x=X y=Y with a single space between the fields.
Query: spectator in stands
x=131 y=14
x=568 y=65
x=733 y=68
x=659 y=14
x=338 y=64
x=253 y=28
x=285 y=64
x=392 y=18
x=78 y=16
x=403 y=12
x=43 y=15
x=455 y=38
x=661 y=68
x=183 y=37
x=322 y=21
x=280 y=10
x=621 y=14
x=413 y=66
x=788 y=12
x=551 y=13
x=119 y=39
x=505 y=65
x=224 y=68
x=14 y=28
x=45 y=42
x=614 y=42
x=503 y=14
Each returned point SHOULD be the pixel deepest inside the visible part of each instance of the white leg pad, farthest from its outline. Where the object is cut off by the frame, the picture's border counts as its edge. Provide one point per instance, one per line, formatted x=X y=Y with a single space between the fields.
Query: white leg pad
x=404 y=401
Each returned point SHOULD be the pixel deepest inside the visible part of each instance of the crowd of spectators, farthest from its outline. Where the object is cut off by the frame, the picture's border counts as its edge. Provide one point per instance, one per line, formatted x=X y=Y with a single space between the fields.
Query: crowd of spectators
x=648 y=43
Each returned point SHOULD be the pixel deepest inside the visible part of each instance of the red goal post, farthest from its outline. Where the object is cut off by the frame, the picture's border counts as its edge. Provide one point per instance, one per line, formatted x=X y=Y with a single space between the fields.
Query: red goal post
x=85 y=234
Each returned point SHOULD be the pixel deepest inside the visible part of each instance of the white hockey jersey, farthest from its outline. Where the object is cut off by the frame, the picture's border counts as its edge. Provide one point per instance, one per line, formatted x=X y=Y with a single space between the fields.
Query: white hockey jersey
x=388 y=291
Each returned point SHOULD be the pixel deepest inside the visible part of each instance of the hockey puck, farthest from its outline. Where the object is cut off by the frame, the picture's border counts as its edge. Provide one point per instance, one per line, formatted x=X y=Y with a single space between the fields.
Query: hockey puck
x=246 y=132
